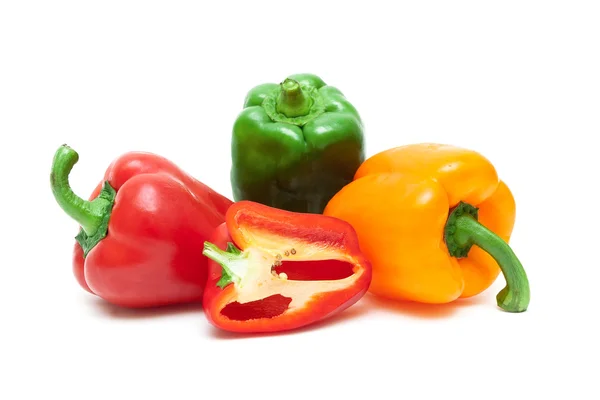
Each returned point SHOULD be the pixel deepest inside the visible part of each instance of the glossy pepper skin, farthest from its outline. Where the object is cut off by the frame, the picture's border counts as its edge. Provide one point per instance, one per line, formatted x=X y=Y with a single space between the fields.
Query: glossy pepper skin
x=274 y=270
x=435 y=221
x=142 y=229
x=295 y=144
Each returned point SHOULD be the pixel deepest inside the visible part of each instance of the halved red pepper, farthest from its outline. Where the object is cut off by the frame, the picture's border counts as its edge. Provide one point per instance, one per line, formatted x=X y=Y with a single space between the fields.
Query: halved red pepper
x=274 y=270
x=142 y=229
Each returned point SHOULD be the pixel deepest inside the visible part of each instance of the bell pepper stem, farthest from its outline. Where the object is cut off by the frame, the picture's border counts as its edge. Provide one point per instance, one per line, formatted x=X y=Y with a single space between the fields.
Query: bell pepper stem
x=91 y=215
x=292 y=102
x=463 y=230
x=232 y=260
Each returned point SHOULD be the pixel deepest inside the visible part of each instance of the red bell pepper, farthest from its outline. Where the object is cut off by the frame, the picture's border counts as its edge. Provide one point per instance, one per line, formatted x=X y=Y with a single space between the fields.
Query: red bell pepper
x=274 y=270
x=140 y=243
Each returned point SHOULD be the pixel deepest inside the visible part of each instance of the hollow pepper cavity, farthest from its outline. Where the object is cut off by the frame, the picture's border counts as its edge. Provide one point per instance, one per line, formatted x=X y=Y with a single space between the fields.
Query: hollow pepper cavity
x=295 y=144
x=275 y=270
x=435 y=221
x=140 y=242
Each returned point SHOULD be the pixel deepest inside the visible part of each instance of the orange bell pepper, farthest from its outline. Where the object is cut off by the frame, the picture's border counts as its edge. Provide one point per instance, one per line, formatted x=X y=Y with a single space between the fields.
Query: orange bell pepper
x=418 y=210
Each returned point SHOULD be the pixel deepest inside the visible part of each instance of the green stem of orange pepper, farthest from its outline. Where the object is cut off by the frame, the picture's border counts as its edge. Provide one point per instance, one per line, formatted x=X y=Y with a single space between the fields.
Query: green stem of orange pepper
x=463 y=231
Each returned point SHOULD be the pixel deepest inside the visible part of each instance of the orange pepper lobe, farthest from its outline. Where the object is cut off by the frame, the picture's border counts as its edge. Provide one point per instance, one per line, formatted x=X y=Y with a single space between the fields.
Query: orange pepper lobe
x=464 y=174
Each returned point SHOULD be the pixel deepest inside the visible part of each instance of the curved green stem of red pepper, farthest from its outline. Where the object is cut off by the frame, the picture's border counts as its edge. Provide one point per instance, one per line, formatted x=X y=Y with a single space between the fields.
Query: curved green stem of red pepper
x=93 y=215
x=463 y=231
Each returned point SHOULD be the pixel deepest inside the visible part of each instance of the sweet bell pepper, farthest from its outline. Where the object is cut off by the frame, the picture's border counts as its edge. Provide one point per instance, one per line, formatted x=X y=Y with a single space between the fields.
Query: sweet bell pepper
x=274 y=270
x=140 y=242
x=435 y=221
x=295 y=144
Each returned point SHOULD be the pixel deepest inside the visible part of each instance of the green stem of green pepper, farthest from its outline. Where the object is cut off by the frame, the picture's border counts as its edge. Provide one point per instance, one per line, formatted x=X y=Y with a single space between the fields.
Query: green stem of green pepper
x=292 y=101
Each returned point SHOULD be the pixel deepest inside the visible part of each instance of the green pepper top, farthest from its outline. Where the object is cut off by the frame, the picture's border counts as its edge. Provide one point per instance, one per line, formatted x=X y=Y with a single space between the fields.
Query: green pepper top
x=295 y=144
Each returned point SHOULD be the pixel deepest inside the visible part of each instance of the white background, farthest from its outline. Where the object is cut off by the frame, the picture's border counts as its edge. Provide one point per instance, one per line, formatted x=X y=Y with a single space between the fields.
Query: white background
x=518 y=81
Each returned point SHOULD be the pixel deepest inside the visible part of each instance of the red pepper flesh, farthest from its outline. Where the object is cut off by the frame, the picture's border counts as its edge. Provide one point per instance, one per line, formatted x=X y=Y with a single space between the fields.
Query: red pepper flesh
x=151 y=253
x=274 y=270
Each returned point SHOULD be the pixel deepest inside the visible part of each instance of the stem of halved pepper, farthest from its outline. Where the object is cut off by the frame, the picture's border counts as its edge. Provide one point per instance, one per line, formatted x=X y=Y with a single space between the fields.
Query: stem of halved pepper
x=463 y=230
x=232 y=260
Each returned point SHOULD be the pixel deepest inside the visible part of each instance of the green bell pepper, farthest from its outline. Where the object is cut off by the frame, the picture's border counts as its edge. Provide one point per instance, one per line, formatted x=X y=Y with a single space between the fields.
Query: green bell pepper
x=295 y=144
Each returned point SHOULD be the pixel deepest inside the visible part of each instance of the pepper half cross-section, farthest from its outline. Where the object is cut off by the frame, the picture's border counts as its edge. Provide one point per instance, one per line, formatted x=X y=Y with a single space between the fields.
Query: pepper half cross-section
x=274 y=270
